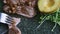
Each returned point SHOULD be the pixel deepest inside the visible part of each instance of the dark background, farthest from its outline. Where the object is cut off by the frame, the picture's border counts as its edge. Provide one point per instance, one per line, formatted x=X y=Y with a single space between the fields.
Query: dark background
x=28 y=25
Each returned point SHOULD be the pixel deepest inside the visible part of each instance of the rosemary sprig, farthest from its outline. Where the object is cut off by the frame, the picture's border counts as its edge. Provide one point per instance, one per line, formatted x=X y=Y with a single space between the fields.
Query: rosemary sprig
x=43 y=18
x=53 y=17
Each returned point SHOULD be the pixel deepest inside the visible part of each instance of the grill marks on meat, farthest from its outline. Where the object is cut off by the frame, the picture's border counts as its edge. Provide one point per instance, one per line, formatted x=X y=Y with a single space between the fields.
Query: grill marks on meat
x=20 y=7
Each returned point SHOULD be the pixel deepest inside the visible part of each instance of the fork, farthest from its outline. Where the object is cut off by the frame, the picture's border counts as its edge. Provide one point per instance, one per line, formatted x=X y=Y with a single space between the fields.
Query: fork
x=6 y=19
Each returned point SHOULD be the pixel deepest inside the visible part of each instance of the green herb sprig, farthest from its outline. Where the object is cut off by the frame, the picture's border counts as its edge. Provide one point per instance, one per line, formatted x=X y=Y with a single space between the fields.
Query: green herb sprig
x=55 y=17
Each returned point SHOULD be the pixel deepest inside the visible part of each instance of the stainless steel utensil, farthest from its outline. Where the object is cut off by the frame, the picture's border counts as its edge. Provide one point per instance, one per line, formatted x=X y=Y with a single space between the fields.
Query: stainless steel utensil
x=4 y=18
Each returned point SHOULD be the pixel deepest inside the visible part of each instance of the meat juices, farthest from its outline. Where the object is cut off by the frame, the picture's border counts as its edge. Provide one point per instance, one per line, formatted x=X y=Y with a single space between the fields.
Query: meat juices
x=20 y=7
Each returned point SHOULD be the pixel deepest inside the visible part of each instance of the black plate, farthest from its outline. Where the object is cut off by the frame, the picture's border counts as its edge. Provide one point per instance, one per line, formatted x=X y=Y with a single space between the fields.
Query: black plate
x=28 y=26
x=3 y=28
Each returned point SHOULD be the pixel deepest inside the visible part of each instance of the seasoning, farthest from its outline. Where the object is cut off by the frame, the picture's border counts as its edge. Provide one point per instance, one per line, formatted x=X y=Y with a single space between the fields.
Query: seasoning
x=20 y=7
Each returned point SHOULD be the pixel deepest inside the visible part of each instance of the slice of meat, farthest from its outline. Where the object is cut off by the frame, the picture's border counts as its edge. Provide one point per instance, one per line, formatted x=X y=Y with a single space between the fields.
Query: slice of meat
x=20 y=7
x=13 y=29
x=25 y=11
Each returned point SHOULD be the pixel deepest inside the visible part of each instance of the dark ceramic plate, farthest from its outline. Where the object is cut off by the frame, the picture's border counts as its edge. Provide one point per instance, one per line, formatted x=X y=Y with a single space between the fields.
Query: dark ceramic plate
x=3 y=28
x=28 y=26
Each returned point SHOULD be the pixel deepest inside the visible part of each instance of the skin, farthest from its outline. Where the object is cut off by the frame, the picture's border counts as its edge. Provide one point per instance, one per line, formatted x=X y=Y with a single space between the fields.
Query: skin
x=48 y=6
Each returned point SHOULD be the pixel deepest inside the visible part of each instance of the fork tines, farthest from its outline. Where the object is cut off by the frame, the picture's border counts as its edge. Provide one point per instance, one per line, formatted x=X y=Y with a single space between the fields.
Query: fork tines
x=4 y=18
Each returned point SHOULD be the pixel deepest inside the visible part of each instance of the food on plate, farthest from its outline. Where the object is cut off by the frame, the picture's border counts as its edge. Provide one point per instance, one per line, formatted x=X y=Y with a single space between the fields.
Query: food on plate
x=48 y=6
x=20 y=7
x=12 y=23
x=13 y=29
